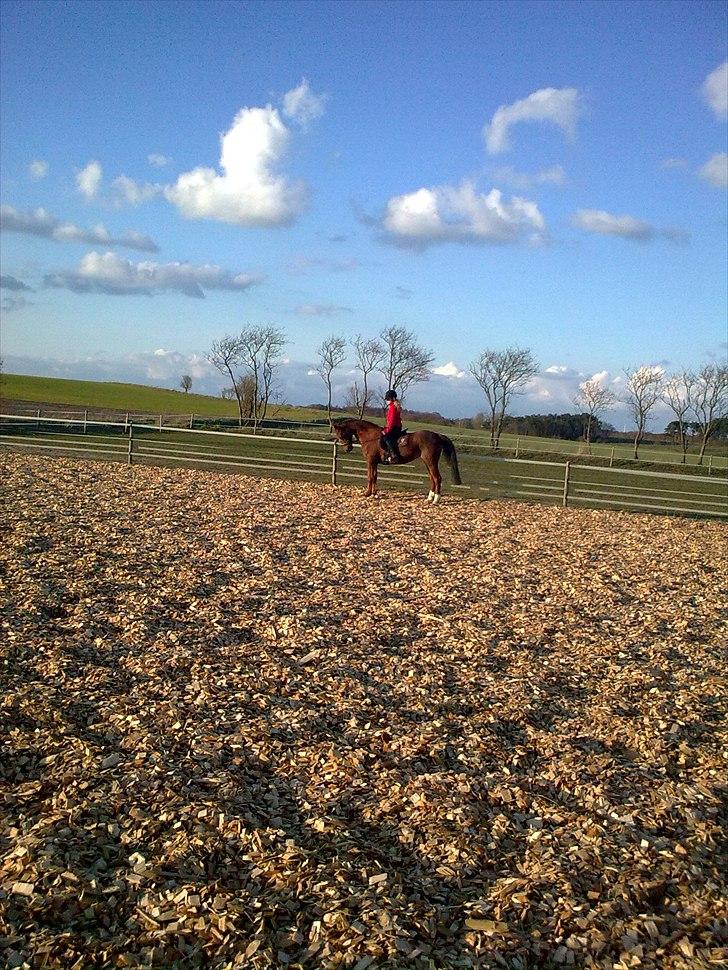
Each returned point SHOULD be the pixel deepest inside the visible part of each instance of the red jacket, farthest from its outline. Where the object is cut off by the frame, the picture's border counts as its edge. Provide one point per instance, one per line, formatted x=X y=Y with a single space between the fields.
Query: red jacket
x=394 y=417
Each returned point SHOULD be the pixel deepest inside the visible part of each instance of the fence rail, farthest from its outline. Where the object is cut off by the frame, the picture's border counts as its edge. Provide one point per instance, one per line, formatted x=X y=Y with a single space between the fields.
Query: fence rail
x=321 y=460
x=511 y=444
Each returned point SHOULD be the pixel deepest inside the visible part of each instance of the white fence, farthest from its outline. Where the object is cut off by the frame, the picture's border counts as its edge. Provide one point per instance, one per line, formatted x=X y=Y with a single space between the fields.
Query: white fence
x=322 y=460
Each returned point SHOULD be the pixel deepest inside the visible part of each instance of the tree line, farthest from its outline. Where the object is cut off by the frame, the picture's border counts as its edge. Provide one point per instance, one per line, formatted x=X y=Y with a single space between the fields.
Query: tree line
x=250 y=360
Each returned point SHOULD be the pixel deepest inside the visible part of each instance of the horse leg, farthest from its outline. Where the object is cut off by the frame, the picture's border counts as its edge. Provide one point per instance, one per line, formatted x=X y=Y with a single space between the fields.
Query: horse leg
x=371 y=479
x=435 y=478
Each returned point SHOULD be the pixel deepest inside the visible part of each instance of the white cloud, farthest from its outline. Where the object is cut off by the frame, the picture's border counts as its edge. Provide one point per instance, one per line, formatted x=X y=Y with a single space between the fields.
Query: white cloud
x=447 y=213
x=248 y=193
x=601 y=377
x=556 y=369
x=670 y=163
x=302 y=105
x=715 y=170
x=321 y=309
x=88 y=180
x=715 y=90
x=526 y=180
x=558 y=106
x=450 y=369
x=159 y=161
x=38 y=169
x=43 y=224
x=131 y=192
x=301 y=265
x=606 y=224
x=110 y=273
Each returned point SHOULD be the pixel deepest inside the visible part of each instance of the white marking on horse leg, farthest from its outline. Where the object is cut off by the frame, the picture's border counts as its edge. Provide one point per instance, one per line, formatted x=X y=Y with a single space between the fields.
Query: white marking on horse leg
x=436 y=499
x=429 y=495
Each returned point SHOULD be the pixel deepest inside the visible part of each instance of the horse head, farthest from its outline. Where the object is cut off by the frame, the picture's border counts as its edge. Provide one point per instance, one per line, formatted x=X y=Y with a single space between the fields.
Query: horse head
x=344 y=435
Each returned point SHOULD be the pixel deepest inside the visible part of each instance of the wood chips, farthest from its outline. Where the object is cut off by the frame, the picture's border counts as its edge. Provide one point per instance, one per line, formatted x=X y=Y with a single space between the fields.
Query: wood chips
x=269 y=724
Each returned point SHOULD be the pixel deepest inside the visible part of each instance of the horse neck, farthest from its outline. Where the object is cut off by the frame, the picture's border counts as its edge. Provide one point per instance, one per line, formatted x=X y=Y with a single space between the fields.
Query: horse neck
x=364 y=429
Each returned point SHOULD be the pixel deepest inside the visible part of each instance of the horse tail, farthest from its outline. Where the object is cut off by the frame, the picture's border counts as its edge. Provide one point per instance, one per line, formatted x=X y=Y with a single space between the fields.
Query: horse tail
x=451 y=457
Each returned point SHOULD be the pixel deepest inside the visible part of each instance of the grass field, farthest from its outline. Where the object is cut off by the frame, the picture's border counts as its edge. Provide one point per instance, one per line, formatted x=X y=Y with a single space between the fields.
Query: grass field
x=139 y=399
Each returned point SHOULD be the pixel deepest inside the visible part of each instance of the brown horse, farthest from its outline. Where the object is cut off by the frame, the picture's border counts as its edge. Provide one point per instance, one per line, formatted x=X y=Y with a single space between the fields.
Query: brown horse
x=427 y=445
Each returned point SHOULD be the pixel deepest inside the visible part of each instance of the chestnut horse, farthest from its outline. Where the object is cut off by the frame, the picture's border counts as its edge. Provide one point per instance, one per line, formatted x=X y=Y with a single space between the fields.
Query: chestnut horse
x=427 y=445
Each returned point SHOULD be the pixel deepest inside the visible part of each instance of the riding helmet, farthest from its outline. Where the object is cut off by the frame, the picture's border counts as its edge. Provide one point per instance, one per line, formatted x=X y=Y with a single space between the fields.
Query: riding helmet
x=391 y=395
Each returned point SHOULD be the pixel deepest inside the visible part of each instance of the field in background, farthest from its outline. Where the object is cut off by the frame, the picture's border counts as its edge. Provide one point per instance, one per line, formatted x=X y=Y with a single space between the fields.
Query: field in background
x=141 y=400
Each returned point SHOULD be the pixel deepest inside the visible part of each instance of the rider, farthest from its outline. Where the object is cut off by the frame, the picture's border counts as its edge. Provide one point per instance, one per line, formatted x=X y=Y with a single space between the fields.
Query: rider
x=393 y=428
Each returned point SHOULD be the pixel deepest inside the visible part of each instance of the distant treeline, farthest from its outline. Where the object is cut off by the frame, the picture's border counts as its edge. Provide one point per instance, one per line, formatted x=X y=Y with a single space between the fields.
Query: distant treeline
x=570 y=427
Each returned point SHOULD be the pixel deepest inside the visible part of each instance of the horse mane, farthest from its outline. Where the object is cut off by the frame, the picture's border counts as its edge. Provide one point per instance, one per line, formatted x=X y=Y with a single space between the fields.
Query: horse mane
x=355 y=424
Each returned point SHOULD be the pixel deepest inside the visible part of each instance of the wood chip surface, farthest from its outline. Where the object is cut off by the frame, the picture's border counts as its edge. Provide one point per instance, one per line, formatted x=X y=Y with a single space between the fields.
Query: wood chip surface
x=251 y=723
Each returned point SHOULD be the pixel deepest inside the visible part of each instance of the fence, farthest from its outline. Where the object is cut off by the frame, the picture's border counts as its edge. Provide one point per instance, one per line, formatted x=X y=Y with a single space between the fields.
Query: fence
x=516 y=446
x=322 y=460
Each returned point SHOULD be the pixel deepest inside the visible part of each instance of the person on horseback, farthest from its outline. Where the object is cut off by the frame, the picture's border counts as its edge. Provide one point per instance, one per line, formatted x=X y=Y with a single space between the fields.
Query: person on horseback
x=393 y=428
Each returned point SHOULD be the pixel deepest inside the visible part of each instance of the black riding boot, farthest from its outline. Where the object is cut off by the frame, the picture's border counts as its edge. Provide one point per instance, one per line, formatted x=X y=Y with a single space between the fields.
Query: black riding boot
x=391 y=453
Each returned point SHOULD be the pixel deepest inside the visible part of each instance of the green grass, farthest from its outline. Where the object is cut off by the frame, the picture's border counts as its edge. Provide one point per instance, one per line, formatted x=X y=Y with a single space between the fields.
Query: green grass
x=135 y=398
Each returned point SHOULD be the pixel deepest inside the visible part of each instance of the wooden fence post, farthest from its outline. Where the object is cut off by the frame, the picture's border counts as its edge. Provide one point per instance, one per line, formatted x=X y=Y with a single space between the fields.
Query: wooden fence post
x=710 y=464
x=192 y=420
x=517 y=443
x=333 y=463
x=126 y=421
x=160 y=422
x=37 y=414
x=85 y=421
x=611 y=458
x=131 y=443
x=566 y=484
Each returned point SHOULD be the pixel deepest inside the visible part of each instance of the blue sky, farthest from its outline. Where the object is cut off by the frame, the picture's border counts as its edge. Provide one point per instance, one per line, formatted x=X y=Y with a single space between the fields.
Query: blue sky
x=548 y=175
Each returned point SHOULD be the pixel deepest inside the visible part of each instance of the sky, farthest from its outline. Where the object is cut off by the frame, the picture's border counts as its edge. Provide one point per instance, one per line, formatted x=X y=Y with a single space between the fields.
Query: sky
x=542 y=175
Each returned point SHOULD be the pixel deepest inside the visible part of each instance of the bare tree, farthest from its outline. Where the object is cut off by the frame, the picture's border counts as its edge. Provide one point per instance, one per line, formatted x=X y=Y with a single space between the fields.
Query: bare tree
x=642 y=392
x=186 y=383
x=331 y=354
x=369 y=355
x=709 y=401
x=404 y=363
x=501 y=374
x=593 y=399
x=260 y=351
x=226 y=356
x=677 y=394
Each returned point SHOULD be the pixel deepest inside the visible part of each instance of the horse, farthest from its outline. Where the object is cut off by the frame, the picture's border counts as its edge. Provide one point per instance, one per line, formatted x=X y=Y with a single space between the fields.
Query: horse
x=426 y=445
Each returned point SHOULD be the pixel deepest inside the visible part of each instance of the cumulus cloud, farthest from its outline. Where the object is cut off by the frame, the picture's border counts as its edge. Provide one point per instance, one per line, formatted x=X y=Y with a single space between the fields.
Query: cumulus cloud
x=525 y=180
x=450 y=369
x=321 y=309
x=302 y=105
x=248 y=192
x=715 y=170
x=128 y=191
x=461 y=214
x=38 y=169
x=88 y=180
x=11 y=283
x=605 y=224
x=43 y=224
x=159 y=161
x=715 y=90
x=558 y=106
x=110 y=273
